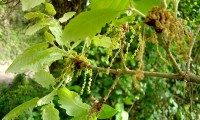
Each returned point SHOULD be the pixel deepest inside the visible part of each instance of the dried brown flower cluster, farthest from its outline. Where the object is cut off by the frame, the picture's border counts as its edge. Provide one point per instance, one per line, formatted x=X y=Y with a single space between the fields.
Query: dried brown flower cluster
x=172 y=29
x=161 y=19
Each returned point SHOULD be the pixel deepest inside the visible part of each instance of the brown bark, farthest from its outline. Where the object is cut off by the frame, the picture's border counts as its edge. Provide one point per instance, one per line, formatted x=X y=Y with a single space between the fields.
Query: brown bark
x=178 y=76
x=63 y=6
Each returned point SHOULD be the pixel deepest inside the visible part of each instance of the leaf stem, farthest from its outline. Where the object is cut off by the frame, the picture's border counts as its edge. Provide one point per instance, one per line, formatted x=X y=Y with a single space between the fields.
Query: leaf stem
x=138 y=12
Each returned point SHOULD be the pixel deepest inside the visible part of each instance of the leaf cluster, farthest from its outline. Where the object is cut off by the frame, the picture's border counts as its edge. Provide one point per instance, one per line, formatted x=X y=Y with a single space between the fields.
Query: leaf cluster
x=110 y=51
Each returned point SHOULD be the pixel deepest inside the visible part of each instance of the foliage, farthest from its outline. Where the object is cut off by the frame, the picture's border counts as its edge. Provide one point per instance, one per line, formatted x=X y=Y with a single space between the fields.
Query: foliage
x=190 y=12
x=19 y=91
x=21 y=108
x=112 y=52
x=72 y=103
x=50 y=113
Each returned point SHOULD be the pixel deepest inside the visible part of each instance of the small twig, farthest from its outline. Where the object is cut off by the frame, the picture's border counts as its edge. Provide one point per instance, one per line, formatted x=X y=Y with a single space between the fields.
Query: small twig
x=166 y=45
x=94 y=79
x=191 y=97
x=97 y=106
x=113 y=59
x=129 y=110
x=190 y=50
x=174 y=61
x=111 y=88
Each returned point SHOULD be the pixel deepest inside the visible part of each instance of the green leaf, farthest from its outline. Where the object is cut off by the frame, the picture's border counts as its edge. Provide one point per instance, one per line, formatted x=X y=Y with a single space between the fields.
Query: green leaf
x=32 y=15
x=102 y=41
x=50 y=9
x=72 y=103
x=56 y=30
x=67 y=16
x=85 y=118
x=198 y=17
x=107 y=112
x=35 y=58
x=87 y=24
x=47 y=99
x=28 y=4
x=34 y=28
x=38 y=26
x=145 y=5
x=44 y=78
x=122 y=115
x=50 y=113
x=26 y=58
x=21 y=108
x=114 y=4
x=124 y=19
x=49 y=37
x=168 y=1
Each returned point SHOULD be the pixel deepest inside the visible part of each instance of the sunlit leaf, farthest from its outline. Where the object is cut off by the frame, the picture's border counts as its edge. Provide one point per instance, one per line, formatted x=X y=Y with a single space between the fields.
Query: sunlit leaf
x=86 y=117
x=50 y=9
x=124 y=19
x=121 y=115
x=20 y=109
x=56 y=30
x=102 y=41
x=44 y=78
x=28 y=4
x=49 y=37
x=72 y=103
x=114 y=4
x=67 y=16
x=32 y=15
x=50 y=113
x=34 y=28
x=87 y=24
x=107 y=112
x=46 y=99
x=35 y=58
x=145 y=5
x=26 y=58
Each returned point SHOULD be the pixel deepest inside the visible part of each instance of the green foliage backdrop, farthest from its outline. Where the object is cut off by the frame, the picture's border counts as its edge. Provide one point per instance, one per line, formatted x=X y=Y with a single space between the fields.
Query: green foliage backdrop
x=118 y=59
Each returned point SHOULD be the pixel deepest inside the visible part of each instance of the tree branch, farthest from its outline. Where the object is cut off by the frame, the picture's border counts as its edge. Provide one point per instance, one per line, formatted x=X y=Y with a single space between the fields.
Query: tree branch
x=174 y=61
x=111 y=88
x=191 y=47
x=166 y=45
x=191 y=77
